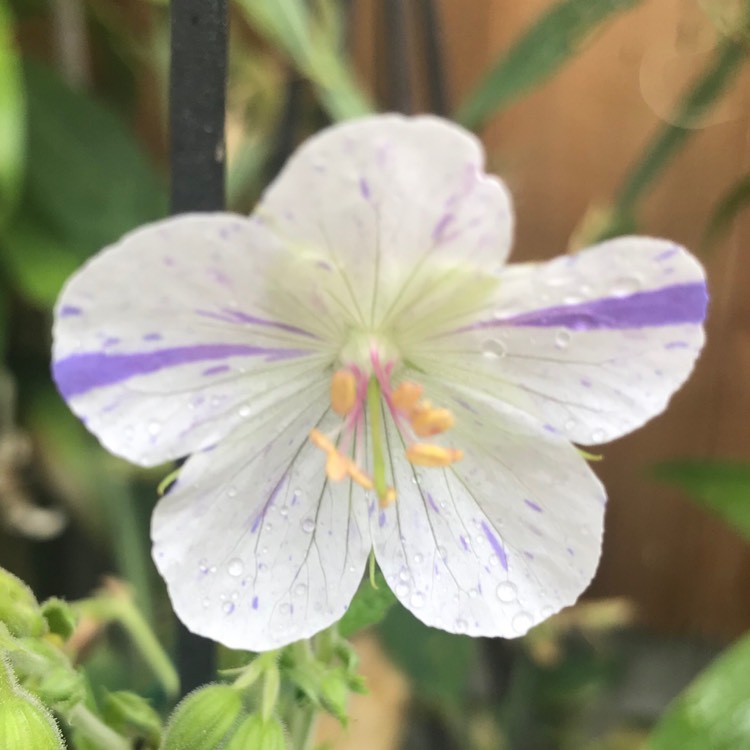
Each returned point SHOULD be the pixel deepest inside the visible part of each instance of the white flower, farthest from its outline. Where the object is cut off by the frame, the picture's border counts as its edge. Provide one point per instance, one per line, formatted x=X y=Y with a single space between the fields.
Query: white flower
x=292 y=354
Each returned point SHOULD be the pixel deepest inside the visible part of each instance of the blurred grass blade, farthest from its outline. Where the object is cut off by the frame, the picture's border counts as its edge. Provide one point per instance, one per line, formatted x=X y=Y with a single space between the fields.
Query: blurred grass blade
x=551 y=41
x=729 y=205
x=714 y=712
x=12 y=115
x=720 y=486
x=313 y=45
x=726 y=62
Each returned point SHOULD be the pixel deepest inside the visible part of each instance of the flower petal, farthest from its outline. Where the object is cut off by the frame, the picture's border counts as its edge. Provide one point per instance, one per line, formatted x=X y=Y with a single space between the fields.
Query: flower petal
x=258 y=549
x=592 y=344
x=166 y=341
x=382 y=195
x=499 y=541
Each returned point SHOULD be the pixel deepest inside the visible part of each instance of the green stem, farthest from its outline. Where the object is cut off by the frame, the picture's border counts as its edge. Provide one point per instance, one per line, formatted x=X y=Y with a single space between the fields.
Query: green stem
x=302 y=727
x=94 y=730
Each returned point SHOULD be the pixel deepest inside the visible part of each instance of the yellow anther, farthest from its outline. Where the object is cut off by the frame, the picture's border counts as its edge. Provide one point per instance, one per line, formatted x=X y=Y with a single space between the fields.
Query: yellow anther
x=319 y=440
x=343 y=392
x=359 y=476
x=388 y=498
x=337 y=466
x=433 y=456
x=426 y=421
x=406 y=395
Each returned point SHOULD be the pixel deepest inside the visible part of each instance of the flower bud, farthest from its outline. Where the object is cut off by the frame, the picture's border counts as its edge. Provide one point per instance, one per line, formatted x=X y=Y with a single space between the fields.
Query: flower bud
x=19 y=609
x=203 y=719
x=131 y=715
x=258 y=734
x=334 y=694
x=24 y=723
x=59 y=616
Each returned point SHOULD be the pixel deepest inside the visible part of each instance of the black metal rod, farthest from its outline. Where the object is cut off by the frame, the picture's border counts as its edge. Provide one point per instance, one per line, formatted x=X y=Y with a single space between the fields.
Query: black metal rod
x=433 y=41
x=197 y=103
x=197 y=99
x=397 y=56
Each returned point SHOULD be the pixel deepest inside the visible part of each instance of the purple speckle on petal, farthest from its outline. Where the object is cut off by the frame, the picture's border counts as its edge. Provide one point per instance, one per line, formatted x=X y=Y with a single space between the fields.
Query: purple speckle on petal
x=432 y=503
x=676 y=345
x=570 y=551
x=534 y=506
x=549 y=428
x=498 y=548
x=585 y=382
x=255 y=602
x=110 y=341
x=364 y=188
x=666 y=254
x=152 y=337
x=438 y=233
x=68 y=311
x=381 y=519
x=464 y=543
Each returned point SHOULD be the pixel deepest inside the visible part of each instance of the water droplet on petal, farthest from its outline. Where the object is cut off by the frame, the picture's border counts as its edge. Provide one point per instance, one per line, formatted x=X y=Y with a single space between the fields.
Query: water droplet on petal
x=442 y=552
x=494 y=349
x=402 y=590
x=507 y=592
x=417 y=600
x=569 y=425
x=285 y=608
x=232 y=491
x=300 y=589
x=522 y=622
x=284 y=511
x=403 y=574
x=206 y=602
x=626 y=285
x=547 y=611
x=473 y=594
x=461 y=625
x=562 y=339
x=228 y=608
x=235 y=567
x=418 y=558
x=598 y=435
x=308 y=525
x=244 y=411
x=203 y=565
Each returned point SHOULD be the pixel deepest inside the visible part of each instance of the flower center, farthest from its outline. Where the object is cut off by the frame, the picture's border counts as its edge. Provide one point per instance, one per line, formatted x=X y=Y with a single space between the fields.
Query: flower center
x=361 y=397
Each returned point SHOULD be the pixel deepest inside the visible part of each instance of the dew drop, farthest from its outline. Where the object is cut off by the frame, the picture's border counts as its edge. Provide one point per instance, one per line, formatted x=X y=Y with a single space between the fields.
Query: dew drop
x=598 y=435
x=569 y=425
x=562 y=339
x=206 y=602
x=547 y=611
x=418 y=558
x=494 y=349
x=235 y=567
x=262 y=567
x=571 y=299
x=284 y=511
x=507 y=592
x=402 y=590
x=308 y=525
x=153 y=427
x=626 y=285
x=268 y=527
x=232 y=491
x=473 y=593
x=244 y=411
x=442 y=552
x=461 y=625
x=522 y=622
x=417 y=600
x=203 y=565
x=285 y=608
x=212 y=569
x=300 y=589
x=403 y=574
x=228 y=608
x=215 y=401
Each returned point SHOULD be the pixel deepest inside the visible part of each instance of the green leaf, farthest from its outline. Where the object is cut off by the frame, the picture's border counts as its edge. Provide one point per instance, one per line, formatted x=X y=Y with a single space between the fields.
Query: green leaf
x=728 y=206
x=12 y=115
x=714 y=712
x=312 y=44
x=369 y=606
x=550 y=42
x=87 y=183
x=722 y=487
x=438 y=663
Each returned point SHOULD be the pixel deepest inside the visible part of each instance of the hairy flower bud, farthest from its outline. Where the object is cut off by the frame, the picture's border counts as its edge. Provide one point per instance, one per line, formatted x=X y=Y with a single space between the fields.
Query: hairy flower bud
x=19 y=609
x=258 y=734
x=203 y=719
x=131 y=715
x=24 y=723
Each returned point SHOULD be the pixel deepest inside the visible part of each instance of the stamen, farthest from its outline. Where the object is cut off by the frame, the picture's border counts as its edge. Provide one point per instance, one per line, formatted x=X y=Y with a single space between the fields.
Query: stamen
x=426 y=421
x=319 y=440
x=405 y=396
x=433 y=456
x=389 y=499
x=337 y=466
x=343 y=392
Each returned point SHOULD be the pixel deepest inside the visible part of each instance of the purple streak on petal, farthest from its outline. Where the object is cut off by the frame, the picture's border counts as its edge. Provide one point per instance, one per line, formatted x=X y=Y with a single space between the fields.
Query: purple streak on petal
x=495 y=544
x=152 y=337
x=364 y=188
x=271 y=499
x=229 y=608
x=570 y=551
x=255 y=602
x=438 y=233
x=676 y=345
x=432 y=503
x=381 y=519
x=549 y=428
x=585 y=382
x=110 y=341
x=216 y=370
x=666 y=254
x=80 y=373
x=679 y=304
x=237 y=316
x=534 y=506
x=464 y=543
x=69 y=311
